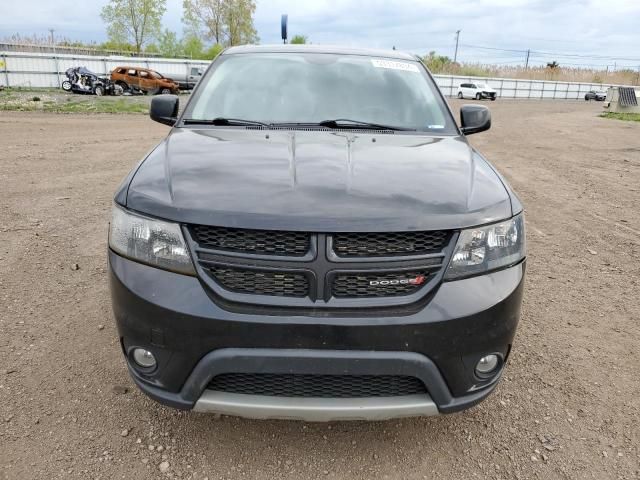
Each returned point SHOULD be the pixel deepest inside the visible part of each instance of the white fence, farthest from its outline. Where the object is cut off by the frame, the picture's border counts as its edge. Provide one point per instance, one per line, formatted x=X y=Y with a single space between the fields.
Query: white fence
x=40 y=70
x=517 y=88
x=19 y=69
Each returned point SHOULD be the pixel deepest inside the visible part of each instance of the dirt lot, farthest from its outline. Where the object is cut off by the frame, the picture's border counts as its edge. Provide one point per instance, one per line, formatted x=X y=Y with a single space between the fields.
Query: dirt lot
x=568 y=407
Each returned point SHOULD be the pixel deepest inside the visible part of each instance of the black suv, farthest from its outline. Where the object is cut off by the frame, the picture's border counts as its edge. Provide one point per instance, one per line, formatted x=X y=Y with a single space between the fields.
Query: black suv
x=316 y=239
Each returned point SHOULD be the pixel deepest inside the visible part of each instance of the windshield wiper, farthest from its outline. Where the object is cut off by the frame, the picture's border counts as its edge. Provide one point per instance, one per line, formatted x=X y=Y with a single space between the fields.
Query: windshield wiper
x=225 y=122
x=340 y=123
x=348 y=123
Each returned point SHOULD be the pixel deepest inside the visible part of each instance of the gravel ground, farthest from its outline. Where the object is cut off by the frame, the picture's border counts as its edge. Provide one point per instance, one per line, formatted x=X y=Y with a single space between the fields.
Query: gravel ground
x=568 y=405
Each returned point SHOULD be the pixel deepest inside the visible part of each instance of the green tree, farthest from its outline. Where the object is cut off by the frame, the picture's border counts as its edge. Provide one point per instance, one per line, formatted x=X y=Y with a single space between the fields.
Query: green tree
x=133 y=21
x=213 y=51
x=169 y=45
x=225 y=22
x=239 y=20
x=193 y=47
x=299 y=40
x=437 y=63
x=153 y=48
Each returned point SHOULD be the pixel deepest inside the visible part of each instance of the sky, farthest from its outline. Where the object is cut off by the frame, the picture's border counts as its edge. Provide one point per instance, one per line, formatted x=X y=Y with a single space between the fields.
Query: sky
x=593 y=33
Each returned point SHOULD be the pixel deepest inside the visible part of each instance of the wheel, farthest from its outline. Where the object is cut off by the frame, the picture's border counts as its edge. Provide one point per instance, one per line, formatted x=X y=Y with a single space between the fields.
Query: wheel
x=66 y=86
x=99 y=90
x=478 y=96
x=118 y=90
x=123 y=86
x=165 y=91
x=586 y=98
x=493 y=99
x=460 y=95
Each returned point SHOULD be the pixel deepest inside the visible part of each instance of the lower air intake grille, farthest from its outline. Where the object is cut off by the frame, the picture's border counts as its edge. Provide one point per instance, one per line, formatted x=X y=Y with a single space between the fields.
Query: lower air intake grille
x=256 y=282
x=253 y=242
x=389 y=244
x=358 y=285
x=317 y=386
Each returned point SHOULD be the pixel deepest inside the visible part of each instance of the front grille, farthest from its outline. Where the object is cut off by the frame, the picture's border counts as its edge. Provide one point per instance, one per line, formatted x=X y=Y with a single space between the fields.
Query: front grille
x=389 y=244
x=257 y=282
x=318 y=270
x=317 y=386
x=362 y=285
x=261 y=242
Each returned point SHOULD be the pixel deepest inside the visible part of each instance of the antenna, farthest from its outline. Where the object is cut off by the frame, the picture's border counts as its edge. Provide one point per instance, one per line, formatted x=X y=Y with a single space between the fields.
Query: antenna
x=283 y=27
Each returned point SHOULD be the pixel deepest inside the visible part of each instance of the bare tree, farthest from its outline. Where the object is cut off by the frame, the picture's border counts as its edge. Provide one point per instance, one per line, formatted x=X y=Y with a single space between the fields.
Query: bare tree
x=133 y=21
x=226 y=22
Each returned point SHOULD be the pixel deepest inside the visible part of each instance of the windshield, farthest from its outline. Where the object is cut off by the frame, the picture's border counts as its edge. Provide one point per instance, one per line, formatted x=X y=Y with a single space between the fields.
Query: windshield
x=155 y=74
x=310 y=88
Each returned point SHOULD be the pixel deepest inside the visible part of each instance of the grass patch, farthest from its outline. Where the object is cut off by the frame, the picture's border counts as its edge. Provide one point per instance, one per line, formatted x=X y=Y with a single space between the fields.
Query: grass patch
x=629 y=117
x=67 y=103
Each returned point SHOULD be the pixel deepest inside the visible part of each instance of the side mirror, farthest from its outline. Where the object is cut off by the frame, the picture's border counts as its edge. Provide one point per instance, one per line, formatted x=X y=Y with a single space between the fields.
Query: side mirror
x=164 y=109
x=474 y=119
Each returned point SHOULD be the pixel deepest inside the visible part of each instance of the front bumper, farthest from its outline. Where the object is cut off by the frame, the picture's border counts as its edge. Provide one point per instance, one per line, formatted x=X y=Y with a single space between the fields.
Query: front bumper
x=194 y=339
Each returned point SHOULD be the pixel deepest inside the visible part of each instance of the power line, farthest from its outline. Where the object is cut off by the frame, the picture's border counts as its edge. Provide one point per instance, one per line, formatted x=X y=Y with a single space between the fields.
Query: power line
x=551 y=54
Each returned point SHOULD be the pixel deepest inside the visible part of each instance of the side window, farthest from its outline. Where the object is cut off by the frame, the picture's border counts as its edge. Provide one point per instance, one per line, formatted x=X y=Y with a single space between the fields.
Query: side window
x=464 y=85
x=121 y=70
x=132 y=73
x=472 y=86
x=195 y=72
x=144 y=74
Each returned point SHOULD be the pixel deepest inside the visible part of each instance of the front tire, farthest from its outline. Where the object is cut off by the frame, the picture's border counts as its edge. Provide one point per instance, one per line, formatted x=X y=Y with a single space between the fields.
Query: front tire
x=66 y=86
x=165 y=91
x=460 y=95
x=478 y=96
x=98 y=91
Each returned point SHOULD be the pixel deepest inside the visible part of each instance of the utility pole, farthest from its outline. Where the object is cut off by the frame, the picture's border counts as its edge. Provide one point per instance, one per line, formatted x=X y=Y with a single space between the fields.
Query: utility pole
x=455 y=55
x=526 y=62
x=53 y=43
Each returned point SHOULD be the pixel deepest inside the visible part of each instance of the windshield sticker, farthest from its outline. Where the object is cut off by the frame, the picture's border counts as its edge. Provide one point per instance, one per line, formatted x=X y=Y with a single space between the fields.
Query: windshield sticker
x=435 y=127
x=394 y=65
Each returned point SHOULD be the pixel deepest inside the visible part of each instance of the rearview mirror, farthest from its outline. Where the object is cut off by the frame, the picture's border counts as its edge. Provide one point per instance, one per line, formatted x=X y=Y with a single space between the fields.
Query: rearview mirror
x=474 y=119
x=164 y=109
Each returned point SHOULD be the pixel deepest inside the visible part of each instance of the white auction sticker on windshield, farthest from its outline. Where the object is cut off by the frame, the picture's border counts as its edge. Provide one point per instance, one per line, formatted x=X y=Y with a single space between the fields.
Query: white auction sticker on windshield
x=395 y=65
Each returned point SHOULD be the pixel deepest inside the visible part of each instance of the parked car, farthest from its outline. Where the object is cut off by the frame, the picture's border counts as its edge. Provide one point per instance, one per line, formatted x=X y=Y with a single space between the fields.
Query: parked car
x=316 y=239
x=143 y=79
x=477 y=91
x=189 y=80
x=595 y=95
x=82 y=80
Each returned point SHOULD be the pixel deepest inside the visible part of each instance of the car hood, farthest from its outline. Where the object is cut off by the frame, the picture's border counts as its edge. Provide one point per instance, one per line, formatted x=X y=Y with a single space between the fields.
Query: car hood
x=317 y=181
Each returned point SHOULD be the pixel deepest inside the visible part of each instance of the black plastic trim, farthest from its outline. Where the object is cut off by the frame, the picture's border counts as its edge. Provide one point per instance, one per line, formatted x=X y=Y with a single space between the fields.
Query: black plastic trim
x=327 y=362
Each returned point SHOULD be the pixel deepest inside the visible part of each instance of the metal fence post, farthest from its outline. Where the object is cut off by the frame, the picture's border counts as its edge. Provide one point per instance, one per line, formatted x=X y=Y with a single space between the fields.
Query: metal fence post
x=6 y=71
x=542 y=91
x=515 y=90
x=501 y=85
x=55 y=60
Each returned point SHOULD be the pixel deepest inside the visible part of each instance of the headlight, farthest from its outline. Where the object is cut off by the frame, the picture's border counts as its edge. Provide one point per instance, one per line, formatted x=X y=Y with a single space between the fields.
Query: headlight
x=482 y=249
x=147 y=240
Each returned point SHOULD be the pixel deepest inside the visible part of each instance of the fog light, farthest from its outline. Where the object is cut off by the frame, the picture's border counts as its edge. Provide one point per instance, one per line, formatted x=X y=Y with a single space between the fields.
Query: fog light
x=487 y=364
x=144 y=358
